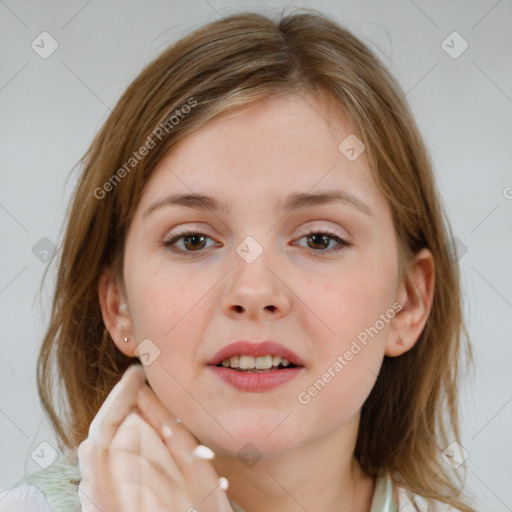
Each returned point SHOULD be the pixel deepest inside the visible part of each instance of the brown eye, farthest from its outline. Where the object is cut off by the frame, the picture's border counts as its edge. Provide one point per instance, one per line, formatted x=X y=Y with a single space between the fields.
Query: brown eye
x=318 y=241
x=192 y=242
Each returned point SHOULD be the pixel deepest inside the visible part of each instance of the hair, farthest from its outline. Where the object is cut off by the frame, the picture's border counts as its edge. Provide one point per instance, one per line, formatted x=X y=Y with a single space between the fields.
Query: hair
x=411 y=414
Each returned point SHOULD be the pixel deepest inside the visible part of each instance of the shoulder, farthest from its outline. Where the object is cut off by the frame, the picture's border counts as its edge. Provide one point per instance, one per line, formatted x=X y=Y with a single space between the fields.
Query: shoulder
x=411 y=502
x=52 y=489
x=25 y=498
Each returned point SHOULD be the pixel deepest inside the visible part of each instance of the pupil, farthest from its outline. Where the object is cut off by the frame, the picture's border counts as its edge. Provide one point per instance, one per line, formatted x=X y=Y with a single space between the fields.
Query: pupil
x=187 y=239
x=323 y=238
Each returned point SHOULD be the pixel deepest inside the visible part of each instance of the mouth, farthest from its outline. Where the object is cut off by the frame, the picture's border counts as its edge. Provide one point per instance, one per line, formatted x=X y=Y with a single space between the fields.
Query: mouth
x=265 y=355
x=256 y=366
x=262 y=364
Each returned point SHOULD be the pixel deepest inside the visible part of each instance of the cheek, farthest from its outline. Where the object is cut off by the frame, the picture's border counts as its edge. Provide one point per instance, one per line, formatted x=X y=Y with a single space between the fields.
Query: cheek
x=167 y=309
x=355 y=307
x=170 y=307
x=346 y=363
x=164 y=299
x=351 y=299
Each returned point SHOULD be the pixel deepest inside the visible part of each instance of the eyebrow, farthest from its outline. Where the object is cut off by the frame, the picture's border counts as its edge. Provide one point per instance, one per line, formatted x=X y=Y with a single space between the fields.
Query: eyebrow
x=294 y=201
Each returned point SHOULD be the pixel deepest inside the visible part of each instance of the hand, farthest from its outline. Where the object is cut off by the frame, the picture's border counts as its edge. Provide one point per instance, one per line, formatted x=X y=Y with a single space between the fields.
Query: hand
x=129 y=464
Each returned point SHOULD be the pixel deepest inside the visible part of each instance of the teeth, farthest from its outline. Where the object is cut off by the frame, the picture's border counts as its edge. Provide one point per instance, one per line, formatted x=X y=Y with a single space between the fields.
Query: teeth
x=246 y=362
x=249 y=362
x=263 y=362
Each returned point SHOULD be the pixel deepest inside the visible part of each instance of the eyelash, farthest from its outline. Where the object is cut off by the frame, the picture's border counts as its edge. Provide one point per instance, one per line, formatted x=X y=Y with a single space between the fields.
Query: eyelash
x=342 y=243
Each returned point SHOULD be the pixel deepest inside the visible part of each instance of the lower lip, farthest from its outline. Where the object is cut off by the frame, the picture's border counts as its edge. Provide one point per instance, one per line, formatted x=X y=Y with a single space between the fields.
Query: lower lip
x=256 y=382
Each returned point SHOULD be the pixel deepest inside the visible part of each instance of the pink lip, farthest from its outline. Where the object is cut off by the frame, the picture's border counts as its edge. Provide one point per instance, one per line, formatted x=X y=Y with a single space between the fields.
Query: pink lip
x=255 y=349
x=256 y=382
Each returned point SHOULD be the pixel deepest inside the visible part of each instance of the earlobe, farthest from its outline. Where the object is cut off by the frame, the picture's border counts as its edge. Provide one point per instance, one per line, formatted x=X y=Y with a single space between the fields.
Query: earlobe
x=398 y=346
x=415 y=293
x=114 y=311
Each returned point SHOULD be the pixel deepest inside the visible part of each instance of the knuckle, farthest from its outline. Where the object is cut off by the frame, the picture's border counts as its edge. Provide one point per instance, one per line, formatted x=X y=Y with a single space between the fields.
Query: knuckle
x=88 y=449
x=84 y=448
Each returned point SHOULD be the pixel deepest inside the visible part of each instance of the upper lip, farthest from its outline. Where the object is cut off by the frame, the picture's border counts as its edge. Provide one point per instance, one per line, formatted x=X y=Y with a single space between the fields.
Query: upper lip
x=262 y=348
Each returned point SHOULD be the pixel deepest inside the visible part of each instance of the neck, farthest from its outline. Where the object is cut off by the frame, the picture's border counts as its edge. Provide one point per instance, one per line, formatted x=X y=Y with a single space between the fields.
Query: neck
x=318 y=475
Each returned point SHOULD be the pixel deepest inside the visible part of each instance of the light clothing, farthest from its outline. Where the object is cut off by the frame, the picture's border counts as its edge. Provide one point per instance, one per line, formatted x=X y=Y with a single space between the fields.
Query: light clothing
x=55 y=489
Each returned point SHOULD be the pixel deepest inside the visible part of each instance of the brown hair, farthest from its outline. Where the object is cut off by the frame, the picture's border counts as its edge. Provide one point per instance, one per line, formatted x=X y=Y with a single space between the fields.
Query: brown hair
x=218 y=68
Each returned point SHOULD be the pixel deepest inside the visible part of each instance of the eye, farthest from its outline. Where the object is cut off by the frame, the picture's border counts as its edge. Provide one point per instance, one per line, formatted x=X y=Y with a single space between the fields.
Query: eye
x=321 y=238
x=193 y=241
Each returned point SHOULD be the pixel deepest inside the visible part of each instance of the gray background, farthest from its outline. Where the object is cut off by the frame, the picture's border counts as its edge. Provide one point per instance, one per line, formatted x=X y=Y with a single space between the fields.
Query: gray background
x=51 y=108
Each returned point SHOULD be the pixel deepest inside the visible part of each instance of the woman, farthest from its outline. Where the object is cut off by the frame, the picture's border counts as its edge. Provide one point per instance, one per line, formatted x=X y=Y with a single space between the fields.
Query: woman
x=258 y=223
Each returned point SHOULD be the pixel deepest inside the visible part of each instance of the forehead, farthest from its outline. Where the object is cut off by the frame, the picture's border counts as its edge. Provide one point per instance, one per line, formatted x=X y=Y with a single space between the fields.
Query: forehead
x=267 y=149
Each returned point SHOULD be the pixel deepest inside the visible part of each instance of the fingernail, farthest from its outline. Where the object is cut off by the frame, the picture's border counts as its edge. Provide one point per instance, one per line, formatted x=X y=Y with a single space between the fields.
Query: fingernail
x=166 y=431
x=203 y=452
x=223 y=483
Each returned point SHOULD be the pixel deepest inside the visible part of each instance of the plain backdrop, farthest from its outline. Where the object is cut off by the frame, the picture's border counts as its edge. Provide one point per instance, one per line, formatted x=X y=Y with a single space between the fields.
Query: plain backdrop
x=51 y=108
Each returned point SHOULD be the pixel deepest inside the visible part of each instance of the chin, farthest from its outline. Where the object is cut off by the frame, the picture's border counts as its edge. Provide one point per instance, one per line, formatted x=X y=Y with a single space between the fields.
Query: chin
x=259 y=435
x=251 y=450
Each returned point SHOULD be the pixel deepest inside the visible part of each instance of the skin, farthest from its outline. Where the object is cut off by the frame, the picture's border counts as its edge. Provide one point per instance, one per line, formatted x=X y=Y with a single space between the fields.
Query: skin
x=193 y=303
x=126 y=466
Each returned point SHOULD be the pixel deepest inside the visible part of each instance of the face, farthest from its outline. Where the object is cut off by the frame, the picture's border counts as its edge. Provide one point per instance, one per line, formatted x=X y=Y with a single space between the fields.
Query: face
x=311 y=278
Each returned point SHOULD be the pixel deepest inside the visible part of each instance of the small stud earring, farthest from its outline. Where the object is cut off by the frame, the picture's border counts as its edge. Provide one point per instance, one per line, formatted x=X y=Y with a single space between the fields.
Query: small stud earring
x=399 y=340
x=126 y=340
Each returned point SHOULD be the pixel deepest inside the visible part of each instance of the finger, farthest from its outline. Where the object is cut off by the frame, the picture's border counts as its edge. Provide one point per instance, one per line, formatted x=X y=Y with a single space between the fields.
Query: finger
x=97 y=488
x=136 y=436
x=200 y=476
x=135 y=470
x=137 y=499
x=89 y=498
x=120 y=401
x=136 y=477
x=158 y=415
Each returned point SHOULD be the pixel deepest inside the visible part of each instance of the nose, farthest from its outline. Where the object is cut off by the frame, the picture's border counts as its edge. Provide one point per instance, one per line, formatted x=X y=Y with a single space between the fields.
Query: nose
x=256 y=292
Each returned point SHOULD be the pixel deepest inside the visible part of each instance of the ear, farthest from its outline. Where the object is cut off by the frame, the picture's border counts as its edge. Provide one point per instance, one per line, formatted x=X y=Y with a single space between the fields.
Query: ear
x=415 y=293
x=115 y=312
